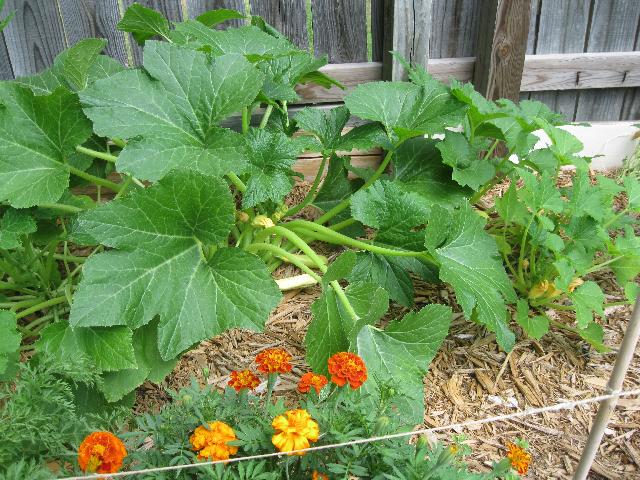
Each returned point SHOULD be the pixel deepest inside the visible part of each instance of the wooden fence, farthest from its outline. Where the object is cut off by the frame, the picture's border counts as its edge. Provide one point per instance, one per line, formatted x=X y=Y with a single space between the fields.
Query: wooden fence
x=582 y=56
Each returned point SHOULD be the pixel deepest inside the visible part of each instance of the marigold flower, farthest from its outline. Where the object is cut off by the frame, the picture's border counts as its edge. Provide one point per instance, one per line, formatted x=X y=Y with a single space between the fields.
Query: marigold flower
x=274 y=360
x=212 y=443
x=294 y=430
x=519 y=457
x=243 y=379
x=318 y=476
x=347 y=367
x=311 y=379
x=101 y=452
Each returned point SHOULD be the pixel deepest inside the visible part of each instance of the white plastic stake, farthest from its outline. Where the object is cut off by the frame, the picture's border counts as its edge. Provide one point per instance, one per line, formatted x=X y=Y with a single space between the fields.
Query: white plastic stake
x=625 y=355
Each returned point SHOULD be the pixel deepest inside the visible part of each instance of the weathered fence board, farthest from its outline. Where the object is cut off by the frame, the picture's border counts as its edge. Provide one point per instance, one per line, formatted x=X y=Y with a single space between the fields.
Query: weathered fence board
x=198 y=7
x=34 y=37
x=340 y=30
x=454 y=28
x=553 y=36
x=94 y=18
x=288 y=16
x=502 y=43
x=377 y=30
x=407 y=26
x=613 y=28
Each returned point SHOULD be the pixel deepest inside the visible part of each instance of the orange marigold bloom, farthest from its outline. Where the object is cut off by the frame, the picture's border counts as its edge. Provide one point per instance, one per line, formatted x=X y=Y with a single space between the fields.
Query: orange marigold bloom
x=294 y=430
x=243 y=379
x=101 y=452
x=311 y=379
x=318 y=476
x=212 y=443
x=519 y=457
x=274 y=360
x=347 y=367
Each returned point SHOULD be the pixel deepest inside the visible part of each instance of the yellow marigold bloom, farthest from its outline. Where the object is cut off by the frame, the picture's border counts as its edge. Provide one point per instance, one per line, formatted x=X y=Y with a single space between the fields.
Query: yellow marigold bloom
x=544 y=289
x=575 y=283
x=101 y=452
x=294 y=430
x=519 y=457
x=274 y=360
x=243 y=379
x=318 y=476
x=212 y=443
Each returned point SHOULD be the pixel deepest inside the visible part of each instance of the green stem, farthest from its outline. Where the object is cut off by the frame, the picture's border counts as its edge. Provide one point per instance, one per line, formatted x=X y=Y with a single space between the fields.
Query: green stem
x=245 y=119
x=125 y=186
x=119 y=142
x=41 y=306
x=296 y=240
x=311 y=194
x=601 y=265
x=290 y=257
x=266 y=115
x=331 y=236
x=61 y=207
x=562 y=326
x=344 y=204
x=615 y=219
x=344 y=300
x=342 y=224
x=523 y=243
x=239 y=184
x=93 y=179
x=96 y=154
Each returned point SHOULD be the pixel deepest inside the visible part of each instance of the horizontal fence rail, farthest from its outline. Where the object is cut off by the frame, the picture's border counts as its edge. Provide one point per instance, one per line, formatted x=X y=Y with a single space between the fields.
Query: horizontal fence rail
x=581 y=55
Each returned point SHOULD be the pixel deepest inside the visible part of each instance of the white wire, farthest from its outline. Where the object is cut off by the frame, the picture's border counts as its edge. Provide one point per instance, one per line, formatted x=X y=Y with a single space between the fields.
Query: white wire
x=497 y=418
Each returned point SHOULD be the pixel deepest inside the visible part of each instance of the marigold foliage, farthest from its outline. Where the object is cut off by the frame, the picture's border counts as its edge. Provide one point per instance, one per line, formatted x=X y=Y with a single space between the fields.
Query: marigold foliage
x=347 y=367
x=101 y=452
x=294 y=430
x=212 y=443
x=274 y=360
x=312 y=380
x=243 y=379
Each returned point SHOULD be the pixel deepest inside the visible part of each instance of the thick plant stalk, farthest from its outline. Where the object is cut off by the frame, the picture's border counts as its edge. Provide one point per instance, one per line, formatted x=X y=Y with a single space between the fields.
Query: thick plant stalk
x=625 y=355
x=296 y=282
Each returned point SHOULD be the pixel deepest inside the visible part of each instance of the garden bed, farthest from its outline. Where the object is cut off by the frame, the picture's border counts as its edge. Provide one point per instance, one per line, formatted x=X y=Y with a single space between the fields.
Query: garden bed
x=470 y=378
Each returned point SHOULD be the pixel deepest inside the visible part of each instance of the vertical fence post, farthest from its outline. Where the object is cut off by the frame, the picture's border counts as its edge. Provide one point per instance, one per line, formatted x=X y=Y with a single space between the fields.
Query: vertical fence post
x=623 y=360
x=502 y=44
x=407 y=28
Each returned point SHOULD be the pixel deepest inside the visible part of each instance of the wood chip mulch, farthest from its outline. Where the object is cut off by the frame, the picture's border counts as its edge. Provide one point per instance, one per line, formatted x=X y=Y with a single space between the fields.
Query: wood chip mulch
x=469 y=379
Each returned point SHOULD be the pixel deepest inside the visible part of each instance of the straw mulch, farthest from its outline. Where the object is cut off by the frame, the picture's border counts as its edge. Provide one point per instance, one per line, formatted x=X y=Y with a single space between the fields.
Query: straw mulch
x=469 y=379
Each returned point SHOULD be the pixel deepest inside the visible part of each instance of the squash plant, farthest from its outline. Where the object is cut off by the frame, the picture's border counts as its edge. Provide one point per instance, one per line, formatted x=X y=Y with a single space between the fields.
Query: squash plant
x=186 y=247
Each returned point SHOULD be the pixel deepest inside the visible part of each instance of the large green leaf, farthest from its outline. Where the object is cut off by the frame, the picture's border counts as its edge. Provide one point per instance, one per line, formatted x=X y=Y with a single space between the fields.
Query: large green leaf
x=470 y=262
x=587 y=299
x=469 y=168
x=418 y=168
x=161 y=269
x=150 y=365
x=174 y=108
x=109 y=349
x=271 y=156
x=327 y=126
x=393 y=212
x=627 y=246
x=74 y=68
x=144 y=23
x=13 y=225
x=37 y=133
x=401 y=354
x=332 y=329
x=406 y=109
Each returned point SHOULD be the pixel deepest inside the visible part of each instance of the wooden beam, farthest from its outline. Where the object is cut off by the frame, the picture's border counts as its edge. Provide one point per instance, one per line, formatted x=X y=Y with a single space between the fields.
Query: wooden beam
x=502 y=44
x=407 y=29
x=563 y=71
